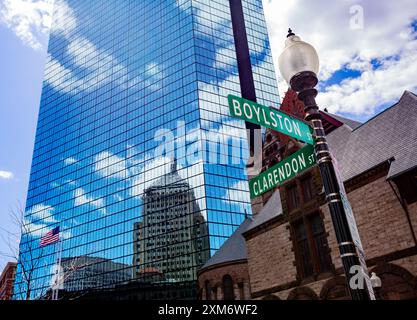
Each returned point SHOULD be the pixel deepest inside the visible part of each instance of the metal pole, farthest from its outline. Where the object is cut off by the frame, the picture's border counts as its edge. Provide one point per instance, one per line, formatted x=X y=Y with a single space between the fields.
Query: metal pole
x=304 y=84
x=59 y=268
x=55 y=291
x=247 y=83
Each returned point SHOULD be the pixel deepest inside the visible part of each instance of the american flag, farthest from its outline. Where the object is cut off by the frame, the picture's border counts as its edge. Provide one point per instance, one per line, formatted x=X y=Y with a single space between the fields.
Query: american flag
x=50 y=238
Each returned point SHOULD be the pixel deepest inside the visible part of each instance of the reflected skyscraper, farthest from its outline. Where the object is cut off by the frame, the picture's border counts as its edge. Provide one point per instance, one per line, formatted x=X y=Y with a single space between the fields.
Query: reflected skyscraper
x=122 y=76
x=172 y=238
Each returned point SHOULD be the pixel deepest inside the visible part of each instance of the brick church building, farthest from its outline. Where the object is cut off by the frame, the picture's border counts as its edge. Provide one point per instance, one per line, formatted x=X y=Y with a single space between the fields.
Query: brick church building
x=288 y=249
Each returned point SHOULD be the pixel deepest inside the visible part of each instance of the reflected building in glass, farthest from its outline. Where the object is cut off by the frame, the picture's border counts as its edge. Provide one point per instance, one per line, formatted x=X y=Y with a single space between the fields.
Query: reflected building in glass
x=129 y=85
x=83 y=273
x=172 y=237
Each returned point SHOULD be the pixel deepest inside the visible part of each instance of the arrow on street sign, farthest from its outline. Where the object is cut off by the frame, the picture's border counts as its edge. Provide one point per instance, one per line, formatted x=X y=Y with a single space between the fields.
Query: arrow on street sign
x=282 y=171
x=270 y=118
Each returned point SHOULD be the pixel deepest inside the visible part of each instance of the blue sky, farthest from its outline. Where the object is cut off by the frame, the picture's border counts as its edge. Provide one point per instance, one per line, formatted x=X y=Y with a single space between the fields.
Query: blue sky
x=20 y=89
x=367 y=51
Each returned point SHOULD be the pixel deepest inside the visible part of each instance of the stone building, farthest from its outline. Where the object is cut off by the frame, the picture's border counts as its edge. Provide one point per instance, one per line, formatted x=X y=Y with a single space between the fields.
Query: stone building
x=291 y=250
x=7 y=280
x=225 y=275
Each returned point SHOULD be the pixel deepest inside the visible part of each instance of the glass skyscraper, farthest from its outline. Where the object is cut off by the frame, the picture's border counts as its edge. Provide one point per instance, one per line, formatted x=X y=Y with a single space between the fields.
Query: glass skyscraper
x=136 y=158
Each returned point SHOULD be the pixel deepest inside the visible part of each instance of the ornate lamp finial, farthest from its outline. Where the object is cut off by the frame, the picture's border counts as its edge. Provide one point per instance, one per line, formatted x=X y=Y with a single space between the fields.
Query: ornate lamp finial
x=290 y=33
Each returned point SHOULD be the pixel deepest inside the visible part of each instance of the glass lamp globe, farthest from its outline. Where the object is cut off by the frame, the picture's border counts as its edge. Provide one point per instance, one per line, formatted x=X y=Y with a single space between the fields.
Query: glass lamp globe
x=297 y=56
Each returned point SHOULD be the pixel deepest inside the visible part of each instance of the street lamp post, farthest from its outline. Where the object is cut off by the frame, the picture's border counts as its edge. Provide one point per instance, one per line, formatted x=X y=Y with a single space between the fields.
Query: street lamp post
x=299 y=65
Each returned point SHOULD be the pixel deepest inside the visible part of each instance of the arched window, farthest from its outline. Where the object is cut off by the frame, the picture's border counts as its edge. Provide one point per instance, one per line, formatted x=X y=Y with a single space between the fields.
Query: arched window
x=228 y=290
x=207 y=289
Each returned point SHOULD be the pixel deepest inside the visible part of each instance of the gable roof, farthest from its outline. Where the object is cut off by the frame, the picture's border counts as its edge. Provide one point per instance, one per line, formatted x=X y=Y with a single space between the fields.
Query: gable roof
x=351 y=123
x=272 y=209
x=390 y=134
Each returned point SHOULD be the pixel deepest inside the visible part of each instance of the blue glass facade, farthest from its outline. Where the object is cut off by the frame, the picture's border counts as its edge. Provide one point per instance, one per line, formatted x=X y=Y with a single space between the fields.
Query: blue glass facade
x=123 y=78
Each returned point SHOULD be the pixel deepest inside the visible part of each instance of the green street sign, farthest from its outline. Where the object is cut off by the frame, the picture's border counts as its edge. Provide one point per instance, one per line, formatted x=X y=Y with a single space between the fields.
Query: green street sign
x=283 y=171
x=270 y=118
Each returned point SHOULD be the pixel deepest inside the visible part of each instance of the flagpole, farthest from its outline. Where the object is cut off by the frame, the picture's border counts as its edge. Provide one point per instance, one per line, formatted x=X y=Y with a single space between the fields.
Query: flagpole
x=58 y=255
x=55 y=272
x=59 y=268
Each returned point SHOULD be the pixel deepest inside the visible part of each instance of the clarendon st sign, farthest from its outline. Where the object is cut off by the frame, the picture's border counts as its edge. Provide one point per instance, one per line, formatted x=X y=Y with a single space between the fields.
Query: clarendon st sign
x=270 y=118
x=282 y=171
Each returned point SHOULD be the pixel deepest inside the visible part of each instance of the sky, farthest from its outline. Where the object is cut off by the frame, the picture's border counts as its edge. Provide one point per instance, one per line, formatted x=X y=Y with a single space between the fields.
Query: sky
x=367 y=50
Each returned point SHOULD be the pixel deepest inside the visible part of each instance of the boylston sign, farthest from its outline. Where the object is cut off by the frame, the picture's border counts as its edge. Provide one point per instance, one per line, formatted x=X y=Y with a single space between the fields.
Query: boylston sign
x=270 y=118
x=282 y=171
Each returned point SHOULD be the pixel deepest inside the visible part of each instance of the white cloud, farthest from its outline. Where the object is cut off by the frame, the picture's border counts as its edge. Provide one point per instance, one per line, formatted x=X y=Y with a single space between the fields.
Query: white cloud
x=38 y=230
x=142 y=171
x=225 y=58
x=38 y=221
x=69 y=161
x=154 y=70
x=30 y=20
x=327 y=25
x=42 y=212
x=234 y=194
x=82 y=198
x=362 y=95
x=83 y=53
x=118 y=197
x=35 y=230
x=64 y=21
x=235 y=191
x=59 y=77
x=108 y=164
x=206 y=17
x=228 y=134
x=7 y=175
x=151 y=170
